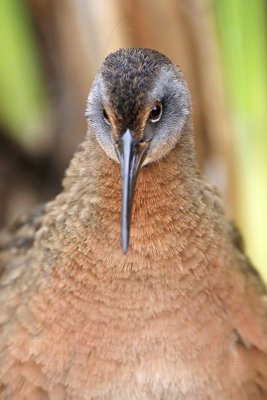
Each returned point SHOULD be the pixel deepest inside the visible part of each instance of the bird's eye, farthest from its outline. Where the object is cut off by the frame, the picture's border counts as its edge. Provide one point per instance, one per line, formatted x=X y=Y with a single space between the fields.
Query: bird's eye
x=156 y=112
x=106 y=117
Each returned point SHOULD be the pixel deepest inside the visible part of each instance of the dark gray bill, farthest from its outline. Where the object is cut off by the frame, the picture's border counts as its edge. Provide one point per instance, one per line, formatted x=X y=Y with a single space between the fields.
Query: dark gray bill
x=132 y=154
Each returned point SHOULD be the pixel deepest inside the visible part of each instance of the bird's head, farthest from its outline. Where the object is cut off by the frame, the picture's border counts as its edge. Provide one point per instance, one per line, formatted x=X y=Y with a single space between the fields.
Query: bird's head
x=138 y=107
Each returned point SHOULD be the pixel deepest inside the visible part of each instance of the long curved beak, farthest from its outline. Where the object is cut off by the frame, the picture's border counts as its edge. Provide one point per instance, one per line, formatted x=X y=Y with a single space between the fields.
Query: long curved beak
x=132 y=154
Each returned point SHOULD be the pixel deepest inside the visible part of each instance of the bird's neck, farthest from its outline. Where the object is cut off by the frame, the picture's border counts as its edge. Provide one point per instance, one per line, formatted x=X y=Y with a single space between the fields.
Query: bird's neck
x=168 y=205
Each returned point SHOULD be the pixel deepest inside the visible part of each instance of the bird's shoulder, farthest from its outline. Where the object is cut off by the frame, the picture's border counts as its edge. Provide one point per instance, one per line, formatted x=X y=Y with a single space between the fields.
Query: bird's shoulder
x=18 y=238
x=245 y=298
x=249 y=295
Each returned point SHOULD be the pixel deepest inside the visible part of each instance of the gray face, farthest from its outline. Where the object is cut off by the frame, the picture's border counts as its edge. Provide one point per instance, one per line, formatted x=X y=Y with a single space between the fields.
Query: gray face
x=128 y=85
x=138 y=108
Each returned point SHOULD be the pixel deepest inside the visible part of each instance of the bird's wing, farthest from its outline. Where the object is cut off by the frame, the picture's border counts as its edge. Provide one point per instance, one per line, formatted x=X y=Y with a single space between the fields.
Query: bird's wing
x=19 y=237
x=15 y=245
x=247 y=304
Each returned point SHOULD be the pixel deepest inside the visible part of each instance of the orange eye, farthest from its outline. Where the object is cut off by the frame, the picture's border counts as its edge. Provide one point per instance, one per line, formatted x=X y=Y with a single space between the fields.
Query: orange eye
x=106 y=117
x=156 y=112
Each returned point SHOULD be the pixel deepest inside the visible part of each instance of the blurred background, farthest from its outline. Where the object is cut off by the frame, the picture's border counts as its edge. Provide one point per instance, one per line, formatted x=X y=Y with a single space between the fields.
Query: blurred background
x=50 y=51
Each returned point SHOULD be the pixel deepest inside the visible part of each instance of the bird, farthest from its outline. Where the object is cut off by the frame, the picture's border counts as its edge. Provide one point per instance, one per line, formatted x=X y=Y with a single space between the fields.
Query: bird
x=132 y=284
